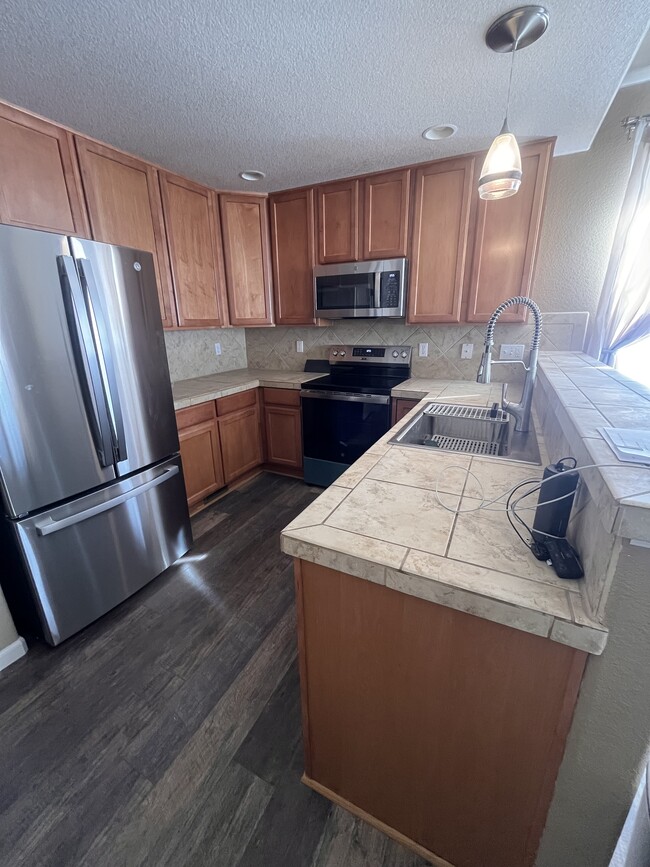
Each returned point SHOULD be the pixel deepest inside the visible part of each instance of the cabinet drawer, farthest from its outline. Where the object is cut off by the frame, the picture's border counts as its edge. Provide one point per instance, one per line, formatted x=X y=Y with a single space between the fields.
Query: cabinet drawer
x=195 y=414
x=235 y=402
x=281 y=396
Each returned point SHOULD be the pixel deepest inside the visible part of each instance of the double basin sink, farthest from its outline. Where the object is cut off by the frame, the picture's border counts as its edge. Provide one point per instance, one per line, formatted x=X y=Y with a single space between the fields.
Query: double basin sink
x=474 y=430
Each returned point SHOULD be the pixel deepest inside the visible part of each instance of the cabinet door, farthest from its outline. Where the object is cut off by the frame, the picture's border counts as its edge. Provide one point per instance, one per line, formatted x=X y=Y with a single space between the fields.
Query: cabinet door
x=245 y=227
x=124 y=207
x=507 y=237
x=292 y=237
x=40 y=186
x=338 y=222
x=194 y=238
x=401 y=407
x=385 y=214
x=283 y=436
x=241 y=442
x=443 y=193
x=201 y=456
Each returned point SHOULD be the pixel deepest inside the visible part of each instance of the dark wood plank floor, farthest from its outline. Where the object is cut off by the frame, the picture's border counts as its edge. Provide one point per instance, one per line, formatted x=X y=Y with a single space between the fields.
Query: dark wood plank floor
x=168 y=733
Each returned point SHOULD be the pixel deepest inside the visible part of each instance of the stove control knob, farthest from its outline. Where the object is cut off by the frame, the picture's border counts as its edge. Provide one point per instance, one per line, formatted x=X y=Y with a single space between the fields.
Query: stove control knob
x=342 y=353
x=404 y=353
x=395 y=353
x=335 y=352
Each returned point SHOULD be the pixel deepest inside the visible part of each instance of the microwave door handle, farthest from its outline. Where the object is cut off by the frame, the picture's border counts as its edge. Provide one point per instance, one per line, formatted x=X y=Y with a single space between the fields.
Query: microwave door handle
x=85 y=359
x=107 y=366
x=377 y=289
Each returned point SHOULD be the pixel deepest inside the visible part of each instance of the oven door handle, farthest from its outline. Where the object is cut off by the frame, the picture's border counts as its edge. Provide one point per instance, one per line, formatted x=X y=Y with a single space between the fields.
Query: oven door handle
x=345 y=396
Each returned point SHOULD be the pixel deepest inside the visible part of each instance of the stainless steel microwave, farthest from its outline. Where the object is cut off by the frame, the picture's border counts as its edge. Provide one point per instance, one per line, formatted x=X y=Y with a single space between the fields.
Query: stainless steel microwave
x=361 y=289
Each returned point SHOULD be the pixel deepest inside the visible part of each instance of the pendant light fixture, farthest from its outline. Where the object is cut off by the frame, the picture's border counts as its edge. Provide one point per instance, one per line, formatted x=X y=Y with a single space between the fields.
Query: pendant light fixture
x=519 y=28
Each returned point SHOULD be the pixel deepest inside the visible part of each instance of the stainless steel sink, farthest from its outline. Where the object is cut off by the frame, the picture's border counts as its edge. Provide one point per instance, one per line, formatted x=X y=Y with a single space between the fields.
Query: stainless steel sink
x=470 y=430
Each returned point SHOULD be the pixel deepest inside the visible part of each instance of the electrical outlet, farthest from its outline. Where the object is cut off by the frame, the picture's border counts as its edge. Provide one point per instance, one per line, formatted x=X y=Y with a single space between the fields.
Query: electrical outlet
x=467 y=350
x=423 y=350
x=300 y=346
x=511 y=352
x=217 y=349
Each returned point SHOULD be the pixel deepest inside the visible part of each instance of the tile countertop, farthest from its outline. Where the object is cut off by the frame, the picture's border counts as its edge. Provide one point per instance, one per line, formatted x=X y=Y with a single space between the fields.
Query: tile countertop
x=587 y=395
x=383 y=521
x=188 y=392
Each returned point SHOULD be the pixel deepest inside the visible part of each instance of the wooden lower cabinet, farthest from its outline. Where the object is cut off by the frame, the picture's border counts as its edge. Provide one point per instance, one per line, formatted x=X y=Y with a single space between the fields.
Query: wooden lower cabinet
x=241 y=441
x=282 y=427
x=401 y=406
x=200 y=451
x=443 y=729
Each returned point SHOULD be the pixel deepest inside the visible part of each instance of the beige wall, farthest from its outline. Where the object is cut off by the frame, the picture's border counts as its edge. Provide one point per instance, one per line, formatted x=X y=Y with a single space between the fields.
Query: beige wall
x=584 y=197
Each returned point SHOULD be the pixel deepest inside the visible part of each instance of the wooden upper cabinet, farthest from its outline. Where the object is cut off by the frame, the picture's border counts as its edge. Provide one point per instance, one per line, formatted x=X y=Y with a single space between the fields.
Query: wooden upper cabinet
x=443 y=194
x=245 y=228
x=194 y=239
x=40 y=186
x=124 y=207
x=293 y=249
x=338 y=222
x=385 y=215
x=507 y=237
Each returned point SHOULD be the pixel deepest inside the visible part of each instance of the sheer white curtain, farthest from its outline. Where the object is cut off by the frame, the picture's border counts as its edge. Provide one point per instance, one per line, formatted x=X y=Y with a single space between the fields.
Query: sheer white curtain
x=623 y=315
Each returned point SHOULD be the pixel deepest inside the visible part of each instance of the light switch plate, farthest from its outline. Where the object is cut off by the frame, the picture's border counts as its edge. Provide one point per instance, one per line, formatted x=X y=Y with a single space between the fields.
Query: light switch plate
x=511 y=352
x=300 y=346
x=217 y=349
x=467 y=350
x=423 y=350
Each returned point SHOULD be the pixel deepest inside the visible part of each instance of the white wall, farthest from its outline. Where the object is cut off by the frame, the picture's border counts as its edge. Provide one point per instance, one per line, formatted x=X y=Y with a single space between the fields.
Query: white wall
x=584 y=197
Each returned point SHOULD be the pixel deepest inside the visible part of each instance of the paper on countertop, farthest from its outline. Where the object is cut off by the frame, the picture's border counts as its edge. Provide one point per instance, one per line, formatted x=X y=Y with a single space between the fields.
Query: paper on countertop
x=628 y=444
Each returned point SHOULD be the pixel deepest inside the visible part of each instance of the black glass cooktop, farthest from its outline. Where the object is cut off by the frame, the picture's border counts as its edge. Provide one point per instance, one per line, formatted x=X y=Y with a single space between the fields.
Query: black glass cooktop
x=376 y=381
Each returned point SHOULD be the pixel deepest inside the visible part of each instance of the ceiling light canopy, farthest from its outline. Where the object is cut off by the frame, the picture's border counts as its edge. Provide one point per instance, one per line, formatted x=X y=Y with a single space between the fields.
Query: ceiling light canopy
x=252 y=175
x=501 y=173
x=443 y=130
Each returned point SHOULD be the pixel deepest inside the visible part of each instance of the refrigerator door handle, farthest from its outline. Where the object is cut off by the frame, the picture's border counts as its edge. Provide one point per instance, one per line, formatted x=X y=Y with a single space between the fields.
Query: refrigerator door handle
x=86 y=361
x=49 y=526
x=107 y=367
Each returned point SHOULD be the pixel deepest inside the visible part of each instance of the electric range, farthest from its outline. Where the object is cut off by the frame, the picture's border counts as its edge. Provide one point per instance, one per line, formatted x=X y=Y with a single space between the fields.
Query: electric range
x=349 y=409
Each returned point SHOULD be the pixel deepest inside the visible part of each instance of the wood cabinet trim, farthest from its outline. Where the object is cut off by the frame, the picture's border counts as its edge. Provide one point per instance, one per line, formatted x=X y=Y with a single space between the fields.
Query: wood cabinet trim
x=416 y=288
x=87 y=148
x=351 y=253
x=277 y=242
x=402 y=218
x=167 y=179
x=235 y=198
x=69 y=172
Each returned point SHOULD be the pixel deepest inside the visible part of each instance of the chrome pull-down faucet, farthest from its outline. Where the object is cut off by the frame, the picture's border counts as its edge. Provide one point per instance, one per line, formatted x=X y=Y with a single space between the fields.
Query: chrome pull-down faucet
x=521 y=410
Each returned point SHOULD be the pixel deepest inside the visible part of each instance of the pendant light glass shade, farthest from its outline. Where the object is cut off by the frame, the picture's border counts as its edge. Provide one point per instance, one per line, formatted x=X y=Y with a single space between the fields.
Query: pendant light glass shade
x=501 y=172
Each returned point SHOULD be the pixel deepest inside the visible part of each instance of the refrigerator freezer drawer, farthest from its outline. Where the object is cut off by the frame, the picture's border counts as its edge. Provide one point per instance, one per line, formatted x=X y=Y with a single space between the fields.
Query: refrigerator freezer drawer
x=87 y=556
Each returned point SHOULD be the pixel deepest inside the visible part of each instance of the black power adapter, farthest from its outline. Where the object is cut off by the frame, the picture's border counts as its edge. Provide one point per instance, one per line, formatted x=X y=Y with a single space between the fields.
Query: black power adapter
x=552 y=515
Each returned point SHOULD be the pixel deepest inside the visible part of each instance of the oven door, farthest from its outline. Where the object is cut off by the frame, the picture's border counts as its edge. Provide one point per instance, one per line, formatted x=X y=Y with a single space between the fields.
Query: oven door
x=337 y=429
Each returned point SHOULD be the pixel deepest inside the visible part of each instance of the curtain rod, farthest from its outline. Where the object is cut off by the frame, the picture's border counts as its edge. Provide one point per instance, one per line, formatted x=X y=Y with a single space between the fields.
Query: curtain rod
x=630 y=123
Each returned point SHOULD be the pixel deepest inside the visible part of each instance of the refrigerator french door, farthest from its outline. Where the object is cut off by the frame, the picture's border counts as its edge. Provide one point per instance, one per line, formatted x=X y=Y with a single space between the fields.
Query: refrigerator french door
x=92 y=486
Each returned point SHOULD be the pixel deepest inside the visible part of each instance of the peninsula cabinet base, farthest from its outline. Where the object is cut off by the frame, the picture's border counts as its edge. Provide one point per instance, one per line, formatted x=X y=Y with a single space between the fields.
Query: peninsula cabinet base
x=444 y=730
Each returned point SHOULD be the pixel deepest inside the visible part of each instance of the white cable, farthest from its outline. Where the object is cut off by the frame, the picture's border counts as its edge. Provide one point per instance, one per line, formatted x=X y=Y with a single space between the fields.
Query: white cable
x=483 y=504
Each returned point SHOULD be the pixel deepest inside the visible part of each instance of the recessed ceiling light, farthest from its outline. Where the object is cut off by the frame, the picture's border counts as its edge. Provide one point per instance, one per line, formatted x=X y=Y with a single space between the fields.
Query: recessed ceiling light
x=251 y=175
x=443 y=130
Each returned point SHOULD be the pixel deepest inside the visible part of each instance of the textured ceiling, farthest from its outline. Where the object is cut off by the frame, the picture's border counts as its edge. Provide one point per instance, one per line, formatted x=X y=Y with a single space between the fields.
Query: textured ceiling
x=307 y=91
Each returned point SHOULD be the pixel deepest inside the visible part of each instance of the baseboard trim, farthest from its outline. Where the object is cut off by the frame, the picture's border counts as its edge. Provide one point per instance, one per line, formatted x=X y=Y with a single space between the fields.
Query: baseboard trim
x=12 y=652
x=376 y=823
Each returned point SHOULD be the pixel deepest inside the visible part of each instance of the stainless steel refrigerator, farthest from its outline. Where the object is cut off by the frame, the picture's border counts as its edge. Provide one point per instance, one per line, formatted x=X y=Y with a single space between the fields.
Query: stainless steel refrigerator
x=92 y=485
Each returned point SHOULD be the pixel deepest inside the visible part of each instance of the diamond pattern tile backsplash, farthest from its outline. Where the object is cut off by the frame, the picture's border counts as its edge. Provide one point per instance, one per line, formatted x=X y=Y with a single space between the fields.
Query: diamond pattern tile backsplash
x=191 y=353
x=275 y=348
